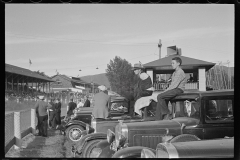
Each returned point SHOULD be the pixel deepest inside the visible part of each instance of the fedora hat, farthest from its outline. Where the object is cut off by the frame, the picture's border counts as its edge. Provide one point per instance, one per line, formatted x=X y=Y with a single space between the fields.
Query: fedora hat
x=137 y=66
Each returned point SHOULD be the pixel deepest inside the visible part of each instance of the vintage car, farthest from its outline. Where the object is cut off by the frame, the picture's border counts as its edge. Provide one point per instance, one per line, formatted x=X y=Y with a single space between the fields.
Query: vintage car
x=73 y=128
x=100 y=127
x=215 y=148
x=204 y=114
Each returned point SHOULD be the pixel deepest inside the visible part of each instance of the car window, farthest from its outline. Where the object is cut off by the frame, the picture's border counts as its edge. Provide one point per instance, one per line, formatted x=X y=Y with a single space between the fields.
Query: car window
x=119 y=106
x=187 y=108
x=219 y=110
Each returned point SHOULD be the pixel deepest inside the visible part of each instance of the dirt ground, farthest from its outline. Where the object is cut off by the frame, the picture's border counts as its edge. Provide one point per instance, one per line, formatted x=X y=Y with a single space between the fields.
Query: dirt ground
x=53 y=146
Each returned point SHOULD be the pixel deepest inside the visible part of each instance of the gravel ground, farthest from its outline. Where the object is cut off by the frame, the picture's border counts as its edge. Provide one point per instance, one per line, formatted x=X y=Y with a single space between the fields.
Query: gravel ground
x=53 y=146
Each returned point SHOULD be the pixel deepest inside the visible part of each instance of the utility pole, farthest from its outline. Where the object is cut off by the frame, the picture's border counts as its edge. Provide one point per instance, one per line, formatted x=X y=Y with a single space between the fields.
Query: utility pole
x=159 y=46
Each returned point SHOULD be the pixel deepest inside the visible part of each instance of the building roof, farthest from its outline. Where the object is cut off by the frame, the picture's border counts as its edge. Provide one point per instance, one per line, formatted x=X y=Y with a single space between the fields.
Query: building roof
x=187 y=63
x=25 y=72
x=98 y=79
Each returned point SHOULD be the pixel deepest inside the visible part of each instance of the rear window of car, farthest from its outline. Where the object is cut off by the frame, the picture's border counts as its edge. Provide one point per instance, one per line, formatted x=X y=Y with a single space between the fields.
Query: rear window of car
x=219 y=110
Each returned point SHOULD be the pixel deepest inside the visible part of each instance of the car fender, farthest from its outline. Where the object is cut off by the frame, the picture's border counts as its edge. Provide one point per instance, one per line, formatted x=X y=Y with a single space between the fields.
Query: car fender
x=89 y=137
x=75 y=122
x=106 y=151
x=130 y=152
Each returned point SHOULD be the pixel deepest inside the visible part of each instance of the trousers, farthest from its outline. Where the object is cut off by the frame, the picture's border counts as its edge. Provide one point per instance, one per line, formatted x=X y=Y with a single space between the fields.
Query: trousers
x=43 y=125
x=52 y=119
x=163 y=100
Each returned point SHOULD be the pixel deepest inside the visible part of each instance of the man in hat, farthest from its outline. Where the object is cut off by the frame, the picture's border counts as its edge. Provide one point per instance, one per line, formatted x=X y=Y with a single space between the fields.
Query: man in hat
x=87 y=102
x=41 y=110
x=176 y=87
x=144 y=86
x=100 y=103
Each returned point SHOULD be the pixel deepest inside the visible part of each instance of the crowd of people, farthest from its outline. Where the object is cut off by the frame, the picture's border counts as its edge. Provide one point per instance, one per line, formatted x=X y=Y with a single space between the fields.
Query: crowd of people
x=49 y=113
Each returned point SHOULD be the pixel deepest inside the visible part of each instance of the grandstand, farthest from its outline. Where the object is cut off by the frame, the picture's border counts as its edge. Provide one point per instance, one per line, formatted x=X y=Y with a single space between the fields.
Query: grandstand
x=20 y=81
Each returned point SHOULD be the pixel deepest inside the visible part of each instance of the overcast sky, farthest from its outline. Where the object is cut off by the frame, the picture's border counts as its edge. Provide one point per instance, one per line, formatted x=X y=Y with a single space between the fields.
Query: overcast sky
x=69 y=37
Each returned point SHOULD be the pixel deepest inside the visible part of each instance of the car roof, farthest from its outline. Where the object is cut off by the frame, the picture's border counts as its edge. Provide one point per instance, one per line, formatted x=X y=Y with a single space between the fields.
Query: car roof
x=196 y=94
x=118 y=98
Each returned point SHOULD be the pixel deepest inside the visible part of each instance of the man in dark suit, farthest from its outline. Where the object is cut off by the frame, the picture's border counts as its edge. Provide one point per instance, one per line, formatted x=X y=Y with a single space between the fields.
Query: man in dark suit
x=58 y=112
x=87 y=102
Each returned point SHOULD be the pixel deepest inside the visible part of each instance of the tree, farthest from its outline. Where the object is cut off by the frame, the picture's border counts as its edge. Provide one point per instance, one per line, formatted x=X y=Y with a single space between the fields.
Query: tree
x=120 y=76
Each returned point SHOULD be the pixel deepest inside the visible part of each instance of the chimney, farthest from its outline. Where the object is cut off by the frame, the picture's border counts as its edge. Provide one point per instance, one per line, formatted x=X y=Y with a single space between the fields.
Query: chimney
x=159 y=46
x=179 y=52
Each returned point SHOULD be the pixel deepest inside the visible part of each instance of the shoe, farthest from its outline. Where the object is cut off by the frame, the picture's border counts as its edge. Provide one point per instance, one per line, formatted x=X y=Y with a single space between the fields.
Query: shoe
x=37 y=135
x=44 y=135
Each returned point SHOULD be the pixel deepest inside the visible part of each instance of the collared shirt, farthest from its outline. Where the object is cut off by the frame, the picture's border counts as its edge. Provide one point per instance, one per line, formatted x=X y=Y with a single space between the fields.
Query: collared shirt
x=178 y=79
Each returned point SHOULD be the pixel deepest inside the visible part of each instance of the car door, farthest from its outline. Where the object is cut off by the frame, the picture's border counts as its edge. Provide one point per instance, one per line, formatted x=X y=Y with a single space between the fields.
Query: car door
x=218 y=117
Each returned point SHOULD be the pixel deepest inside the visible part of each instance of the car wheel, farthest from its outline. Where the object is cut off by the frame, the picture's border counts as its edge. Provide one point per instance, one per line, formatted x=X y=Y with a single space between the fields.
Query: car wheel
x=74 y=133
x=184 y=138
x=89 y=147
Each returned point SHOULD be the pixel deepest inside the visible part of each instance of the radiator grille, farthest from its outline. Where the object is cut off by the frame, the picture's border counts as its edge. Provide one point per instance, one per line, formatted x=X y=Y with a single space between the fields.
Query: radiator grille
x=148 y=141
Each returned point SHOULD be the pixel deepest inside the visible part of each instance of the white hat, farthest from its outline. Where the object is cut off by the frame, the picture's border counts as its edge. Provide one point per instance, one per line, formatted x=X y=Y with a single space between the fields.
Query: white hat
x=41 y=97
x=102 y=88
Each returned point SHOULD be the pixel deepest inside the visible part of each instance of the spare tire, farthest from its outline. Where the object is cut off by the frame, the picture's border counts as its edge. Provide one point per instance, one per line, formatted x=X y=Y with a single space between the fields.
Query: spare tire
x=184 y=138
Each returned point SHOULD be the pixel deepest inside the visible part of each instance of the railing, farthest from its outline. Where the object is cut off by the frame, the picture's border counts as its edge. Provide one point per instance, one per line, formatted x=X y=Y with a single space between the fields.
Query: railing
x=163 y=86
x=191 y=85
x=160 y=86
x=17 y=126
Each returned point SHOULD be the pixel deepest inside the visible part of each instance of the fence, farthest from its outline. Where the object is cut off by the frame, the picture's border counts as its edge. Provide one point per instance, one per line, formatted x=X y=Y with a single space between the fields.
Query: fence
x=17 y=126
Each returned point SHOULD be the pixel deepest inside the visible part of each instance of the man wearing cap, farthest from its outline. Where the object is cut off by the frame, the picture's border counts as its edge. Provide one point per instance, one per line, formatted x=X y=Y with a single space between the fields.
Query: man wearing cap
x=87 y=102
x=41 y=109
x=144 y=86
x=100 y=103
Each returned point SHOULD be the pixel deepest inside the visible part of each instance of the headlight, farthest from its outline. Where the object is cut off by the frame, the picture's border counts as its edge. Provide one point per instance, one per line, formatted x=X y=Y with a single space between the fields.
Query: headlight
x=95 y=152
x=146 y=153
x=110 y=136
x=121 y=133
x=89 y=129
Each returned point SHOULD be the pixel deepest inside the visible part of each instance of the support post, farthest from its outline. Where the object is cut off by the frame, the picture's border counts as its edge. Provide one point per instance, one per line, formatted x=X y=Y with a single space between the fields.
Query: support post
x=33 y=121
x=17 y=130
x=150 y=73
x=202 y=79
x=12 y=82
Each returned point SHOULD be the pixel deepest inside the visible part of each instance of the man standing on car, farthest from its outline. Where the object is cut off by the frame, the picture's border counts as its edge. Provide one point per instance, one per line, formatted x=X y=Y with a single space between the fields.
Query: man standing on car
x=41 y=109
x=176 y=87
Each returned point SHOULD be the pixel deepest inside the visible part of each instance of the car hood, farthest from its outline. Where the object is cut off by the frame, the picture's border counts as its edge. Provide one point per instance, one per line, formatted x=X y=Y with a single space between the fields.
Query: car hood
x=187 y=121
x=149 y=125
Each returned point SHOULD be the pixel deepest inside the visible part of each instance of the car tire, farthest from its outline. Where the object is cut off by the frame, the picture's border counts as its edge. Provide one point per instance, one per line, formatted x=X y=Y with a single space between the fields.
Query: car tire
x=184 y=138
x=70 y=131
x=88 y=148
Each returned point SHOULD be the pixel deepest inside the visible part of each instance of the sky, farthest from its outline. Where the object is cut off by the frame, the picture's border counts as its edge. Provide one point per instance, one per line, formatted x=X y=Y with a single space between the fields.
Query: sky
x=70 y=37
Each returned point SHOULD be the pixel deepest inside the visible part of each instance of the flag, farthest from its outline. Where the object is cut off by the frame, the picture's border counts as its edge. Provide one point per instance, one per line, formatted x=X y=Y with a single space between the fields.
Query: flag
x=30 y=62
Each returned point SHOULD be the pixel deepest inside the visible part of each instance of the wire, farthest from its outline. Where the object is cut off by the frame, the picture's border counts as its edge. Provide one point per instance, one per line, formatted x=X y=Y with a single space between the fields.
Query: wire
x=78 y=40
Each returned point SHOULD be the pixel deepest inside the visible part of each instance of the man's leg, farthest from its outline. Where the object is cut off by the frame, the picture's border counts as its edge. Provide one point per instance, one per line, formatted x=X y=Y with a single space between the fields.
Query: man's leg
x=40 y=118
x=45 y=125
x=163 y=99
x=50 y=118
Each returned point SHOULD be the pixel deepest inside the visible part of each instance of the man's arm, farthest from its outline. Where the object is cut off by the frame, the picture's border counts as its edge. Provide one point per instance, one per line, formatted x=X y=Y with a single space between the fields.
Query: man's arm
x=179 y=77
